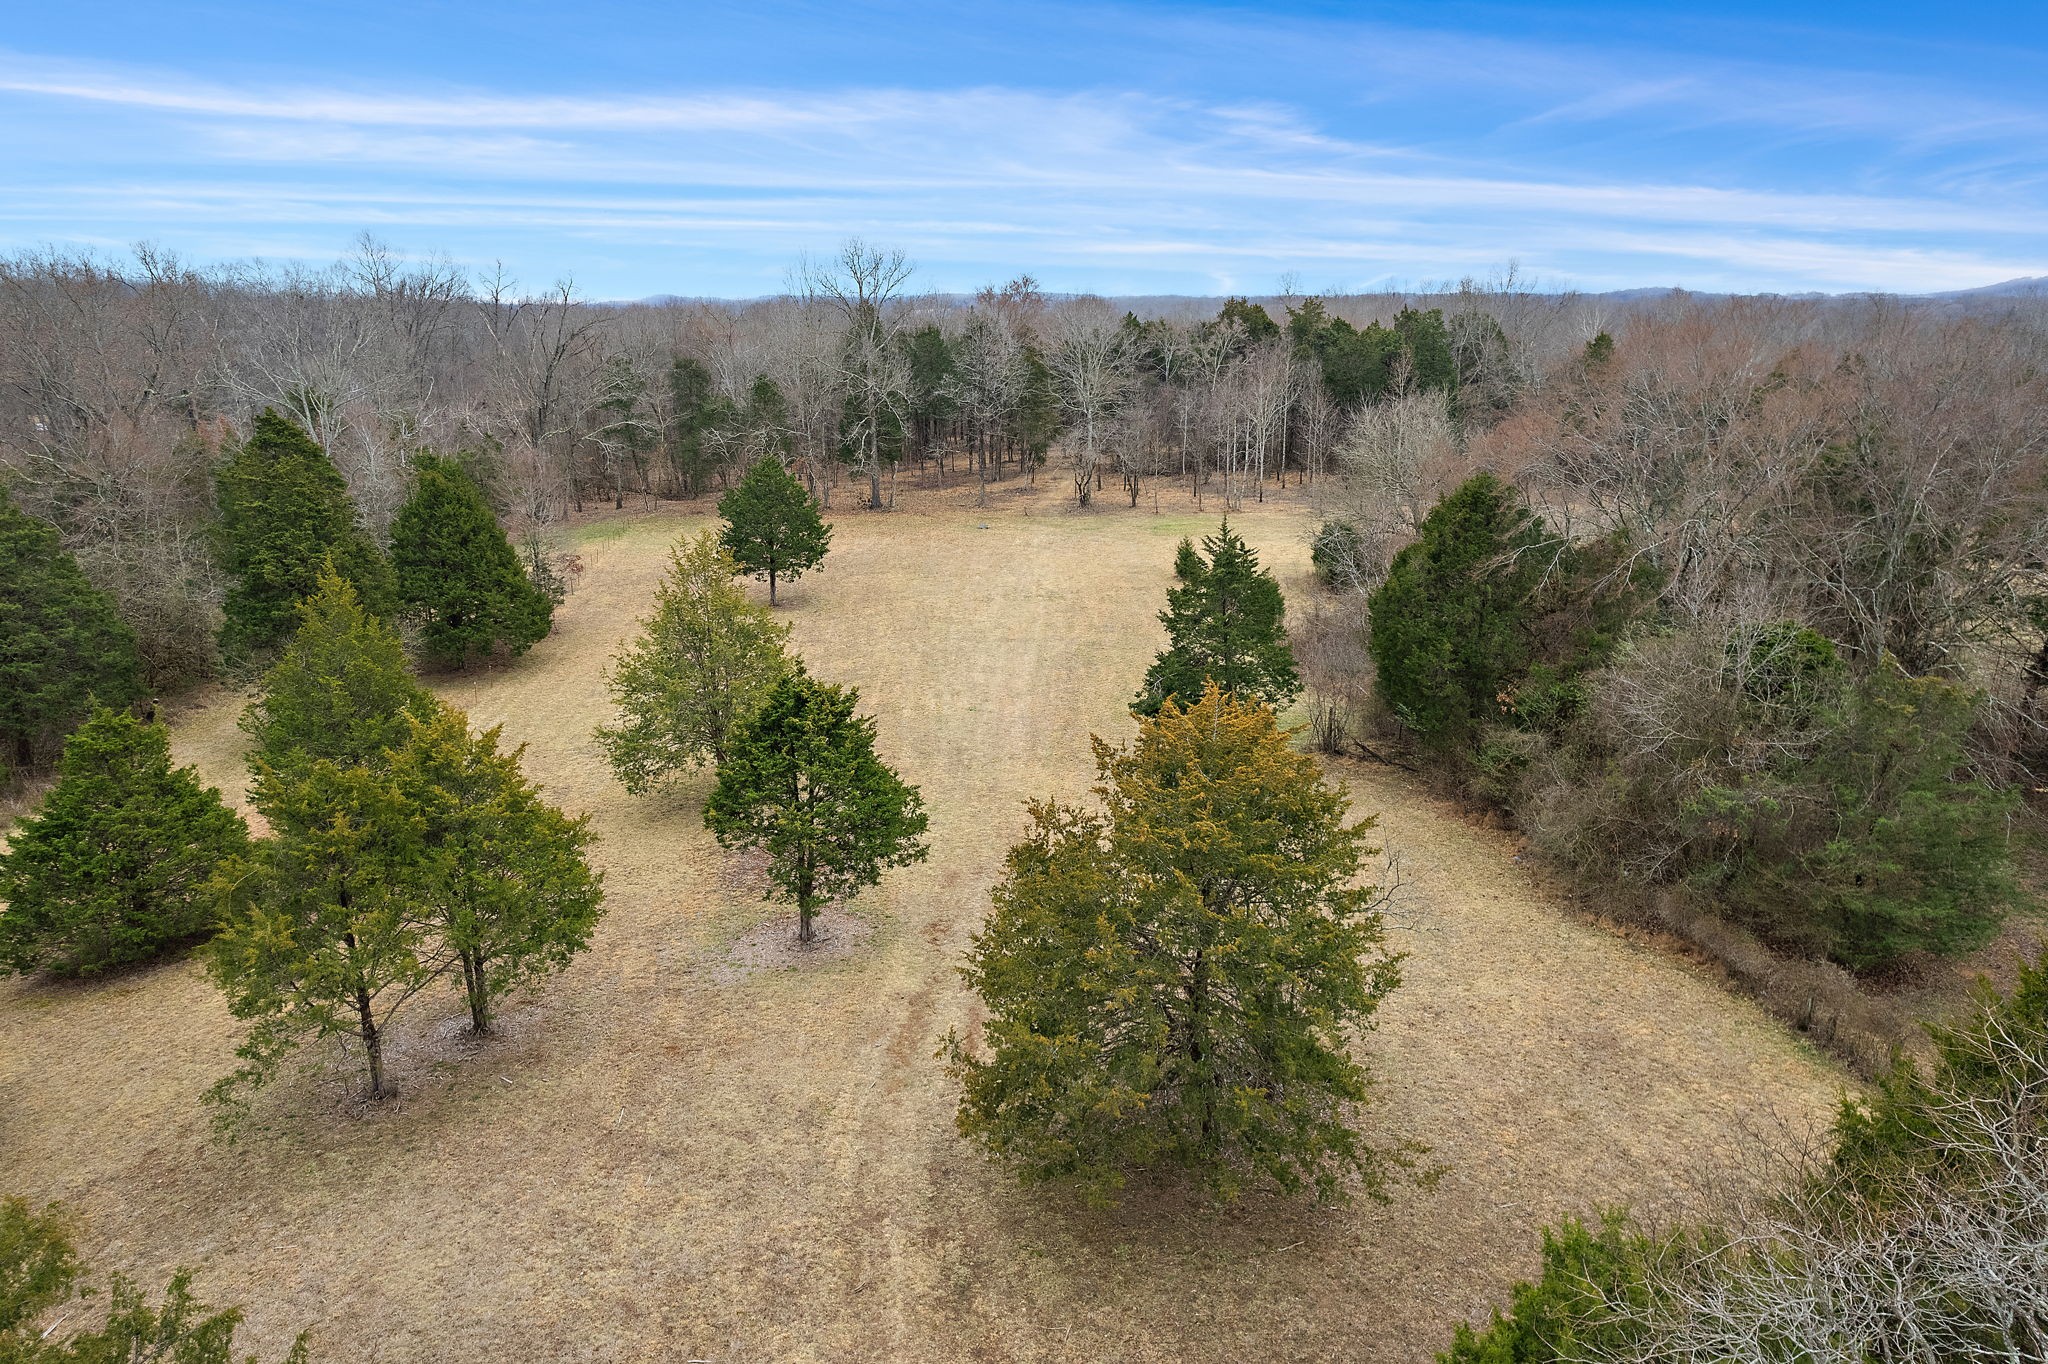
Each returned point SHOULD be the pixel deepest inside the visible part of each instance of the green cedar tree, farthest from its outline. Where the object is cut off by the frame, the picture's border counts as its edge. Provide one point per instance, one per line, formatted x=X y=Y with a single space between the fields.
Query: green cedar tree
x=63 y=646
x=505 y=873
x=1175 y=984
x=772 y=526
x=284 y=511
x=1226 y=622
x=801 y=782
x=703 y=662
x=458 y=577
x=114 y=865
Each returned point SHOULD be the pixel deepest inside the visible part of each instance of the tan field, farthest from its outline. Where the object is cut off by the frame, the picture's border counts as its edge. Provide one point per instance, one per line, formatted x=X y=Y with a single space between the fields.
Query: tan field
x=700 y=1144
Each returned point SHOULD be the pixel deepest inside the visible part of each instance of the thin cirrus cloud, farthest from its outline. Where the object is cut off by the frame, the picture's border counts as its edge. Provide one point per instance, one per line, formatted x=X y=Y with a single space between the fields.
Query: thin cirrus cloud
x=712 y=191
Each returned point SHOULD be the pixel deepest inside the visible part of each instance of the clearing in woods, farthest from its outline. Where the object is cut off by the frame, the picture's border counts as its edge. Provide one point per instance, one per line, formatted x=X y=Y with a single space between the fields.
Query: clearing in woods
x=700 y=1144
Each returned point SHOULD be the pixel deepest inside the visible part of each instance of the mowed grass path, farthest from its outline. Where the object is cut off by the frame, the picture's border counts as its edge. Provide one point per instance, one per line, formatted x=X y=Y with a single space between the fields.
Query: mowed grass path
x=699 y=1144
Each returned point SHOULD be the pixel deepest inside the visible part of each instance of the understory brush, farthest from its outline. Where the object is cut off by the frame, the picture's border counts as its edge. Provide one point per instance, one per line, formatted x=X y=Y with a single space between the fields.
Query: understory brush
x=1921 y=1234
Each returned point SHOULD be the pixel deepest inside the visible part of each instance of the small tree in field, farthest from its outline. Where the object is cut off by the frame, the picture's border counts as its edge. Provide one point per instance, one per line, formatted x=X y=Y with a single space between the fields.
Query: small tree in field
x=772 y=526
x=1174 y=983
x=1225 y=623
x=113 y=866
x=284 y=512
x=458 y=576
x=703 y=662
x=323 y=930
x=62 y=644
x=505 y=873
x=340 y=690
x=802 y=782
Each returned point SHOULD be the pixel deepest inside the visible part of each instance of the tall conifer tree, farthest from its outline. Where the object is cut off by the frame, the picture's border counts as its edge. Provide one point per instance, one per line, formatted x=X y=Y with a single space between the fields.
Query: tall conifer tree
x=1226 y=622
x=284 y=511
x=62 y=644
x=323 y=932
x=802 y=782
x=458 y=576
x=704 y=660
x=1174 y=983
x=1452 y=623
x=339 y=691
x=505 y=873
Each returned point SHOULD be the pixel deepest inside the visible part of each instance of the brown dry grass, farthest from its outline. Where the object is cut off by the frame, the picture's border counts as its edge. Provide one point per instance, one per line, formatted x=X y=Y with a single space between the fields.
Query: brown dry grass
x=702 y=1145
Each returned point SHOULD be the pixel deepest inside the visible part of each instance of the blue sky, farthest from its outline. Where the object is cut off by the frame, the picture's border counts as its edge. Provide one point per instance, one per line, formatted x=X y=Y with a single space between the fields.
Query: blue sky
x=1124 y=148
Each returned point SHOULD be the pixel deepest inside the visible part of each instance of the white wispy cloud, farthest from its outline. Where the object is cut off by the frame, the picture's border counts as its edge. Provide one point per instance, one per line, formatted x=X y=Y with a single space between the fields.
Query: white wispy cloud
x=1097 y=180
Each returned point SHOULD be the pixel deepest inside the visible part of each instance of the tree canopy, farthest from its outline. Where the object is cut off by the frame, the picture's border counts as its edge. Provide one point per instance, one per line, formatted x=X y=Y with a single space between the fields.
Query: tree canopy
x=772 y=526
x=62 y=644
x=114 y=865
x=1450 y=625
x=458 y=577
x=323 y=930
x=1173 y=983
x=340 y=690
x=801 y=782
x=704 y=660
x=284 y=513
x=504 y=871
x=1226 y=622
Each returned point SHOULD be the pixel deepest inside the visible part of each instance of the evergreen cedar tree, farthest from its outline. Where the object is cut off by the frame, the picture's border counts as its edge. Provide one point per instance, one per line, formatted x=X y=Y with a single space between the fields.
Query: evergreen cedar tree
x=504 y=874
x=1361 y=366
x=772 y=526
x=1226 y=622
x=113 y=867
x=458 y=577
x=700 y=413
x=1450 y=623
x=39 y=1274
x=284 y=512
x=801 y=782
x=340 y=689
x=62 y=644
x=1173 y=984
x=705 y=658
x=1888 y=849
x=323 y=933
x=403 y=848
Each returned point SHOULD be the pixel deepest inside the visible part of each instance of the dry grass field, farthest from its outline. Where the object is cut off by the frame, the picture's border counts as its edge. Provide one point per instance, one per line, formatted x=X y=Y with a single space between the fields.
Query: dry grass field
x=703 y=1145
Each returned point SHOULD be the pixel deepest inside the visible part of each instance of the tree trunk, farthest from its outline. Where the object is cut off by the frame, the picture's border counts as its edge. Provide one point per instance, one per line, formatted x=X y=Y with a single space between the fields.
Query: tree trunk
x=473 y=983
x=875 y=487
x=1198 y=1007
x=373 y=1042
x=771 y=584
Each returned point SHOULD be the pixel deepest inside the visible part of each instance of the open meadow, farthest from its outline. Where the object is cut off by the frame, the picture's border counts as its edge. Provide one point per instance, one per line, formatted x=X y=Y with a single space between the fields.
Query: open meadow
x=701 y=1143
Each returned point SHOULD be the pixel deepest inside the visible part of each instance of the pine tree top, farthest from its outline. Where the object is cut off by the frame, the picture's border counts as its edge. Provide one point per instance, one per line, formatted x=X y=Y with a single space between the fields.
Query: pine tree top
x=1226 y=621
x=340 y=691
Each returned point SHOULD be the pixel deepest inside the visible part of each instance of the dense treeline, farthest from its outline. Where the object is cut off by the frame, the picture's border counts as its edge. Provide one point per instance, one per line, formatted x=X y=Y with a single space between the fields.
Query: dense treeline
x=1744 y=602
x=132 y=397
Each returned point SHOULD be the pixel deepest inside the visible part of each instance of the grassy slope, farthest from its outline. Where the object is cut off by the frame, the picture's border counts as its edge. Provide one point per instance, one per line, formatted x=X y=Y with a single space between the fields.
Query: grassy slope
x=700 y=1145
